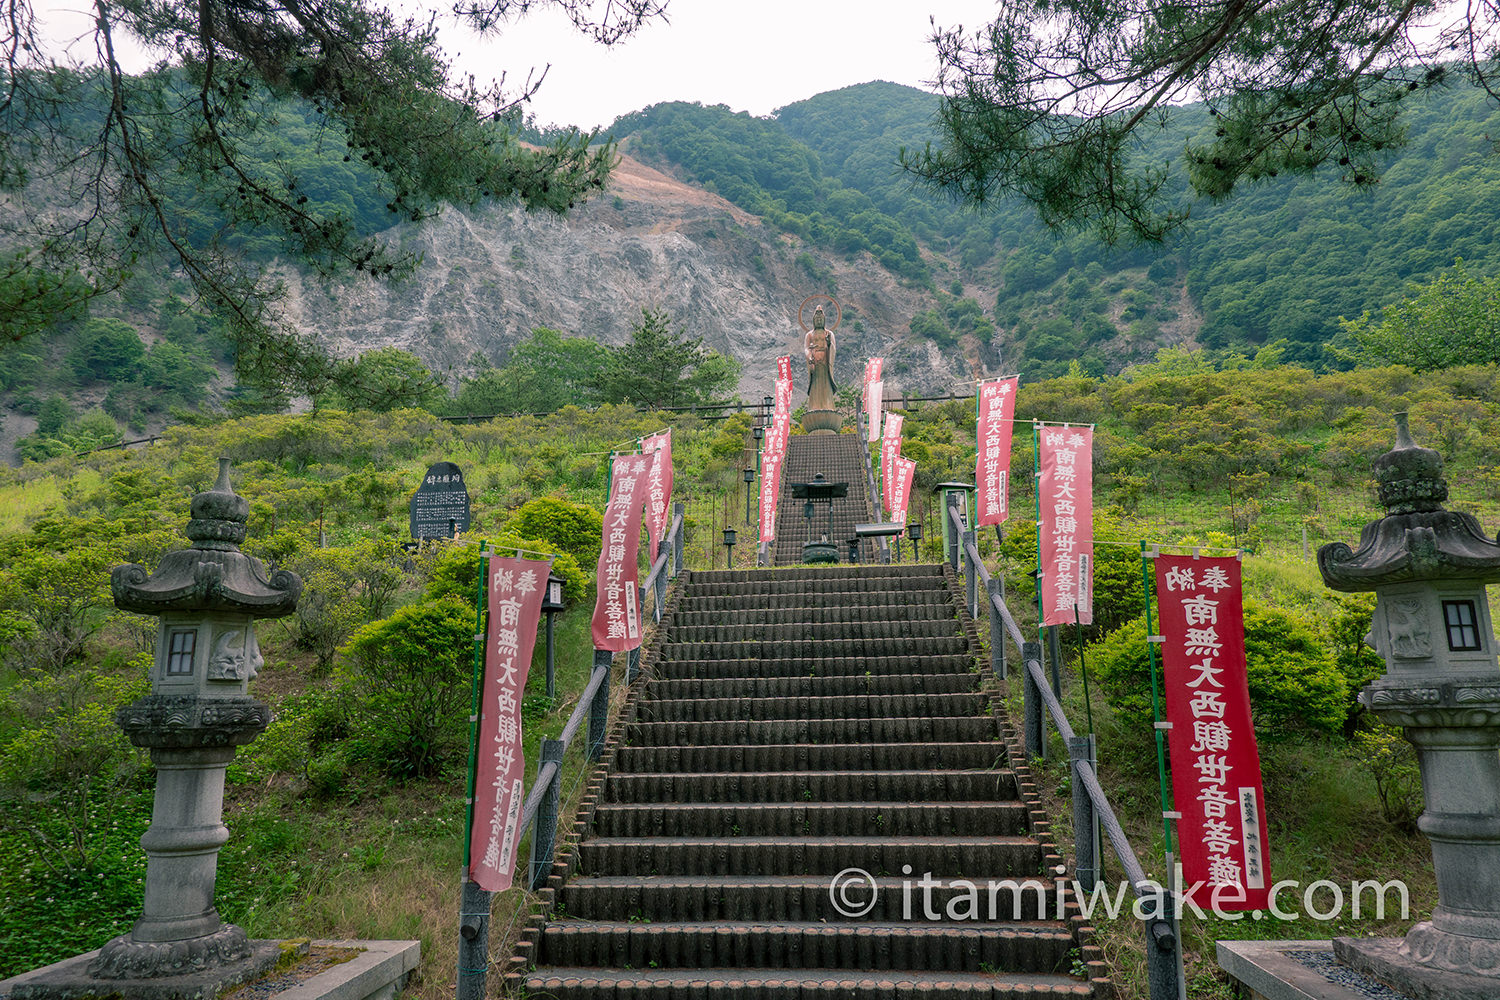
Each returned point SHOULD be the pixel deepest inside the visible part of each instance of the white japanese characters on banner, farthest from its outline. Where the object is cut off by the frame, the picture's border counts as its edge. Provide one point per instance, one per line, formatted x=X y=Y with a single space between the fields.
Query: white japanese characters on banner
x=997 y=409
x=617 y=612
x=1216 y=781
x=773 y=455
x=1065 y=523
x=514 y=598
x=890 y=450
x=906 y=471
x=658 y=488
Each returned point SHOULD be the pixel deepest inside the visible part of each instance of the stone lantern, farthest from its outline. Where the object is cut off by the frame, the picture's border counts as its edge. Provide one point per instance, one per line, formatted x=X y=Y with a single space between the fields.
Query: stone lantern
x=207 y=598
x=1428 y=568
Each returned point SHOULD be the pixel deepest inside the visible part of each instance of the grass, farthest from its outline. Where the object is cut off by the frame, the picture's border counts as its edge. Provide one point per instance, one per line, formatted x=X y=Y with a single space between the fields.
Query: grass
x=384 y=860
x=1325 y=823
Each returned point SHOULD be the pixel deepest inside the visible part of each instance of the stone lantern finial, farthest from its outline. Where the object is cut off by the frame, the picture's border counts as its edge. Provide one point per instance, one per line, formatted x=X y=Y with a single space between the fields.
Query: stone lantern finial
x=219 y=515
x=1410 y=477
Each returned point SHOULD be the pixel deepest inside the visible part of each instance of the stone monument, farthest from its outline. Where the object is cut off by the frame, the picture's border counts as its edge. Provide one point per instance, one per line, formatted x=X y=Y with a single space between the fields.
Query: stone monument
x=819 y=347
x=207 y=598
x=1428 y=568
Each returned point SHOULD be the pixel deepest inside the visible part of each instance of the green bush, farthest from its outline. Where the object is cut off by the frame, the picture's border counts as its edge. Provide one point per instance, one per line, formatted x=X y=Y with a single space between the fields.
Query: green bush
x=1386 y=756
x=574 y=528
x=455 y=573
x=408 y=680
x=1294 y=682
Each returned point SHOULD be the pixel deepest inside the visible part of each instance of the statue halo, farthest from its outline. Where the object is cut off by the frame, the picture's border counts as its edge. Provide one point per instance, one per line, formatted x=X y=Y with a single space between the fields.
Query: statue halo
x=838 y=312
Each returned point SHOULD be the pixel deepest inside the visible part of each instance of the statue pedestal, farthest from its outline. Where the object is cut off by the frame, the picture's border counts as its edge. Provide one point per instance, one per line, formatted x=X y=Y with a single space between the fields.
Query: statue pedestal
x=822 y=421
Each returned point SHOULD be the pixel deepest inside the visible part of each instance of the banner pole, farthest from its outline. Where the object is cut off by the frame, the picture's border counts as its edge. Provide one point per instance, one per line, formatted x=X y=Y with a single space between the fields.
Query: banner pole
x=474 y=902
x=1161 y=753
x=1036 y=482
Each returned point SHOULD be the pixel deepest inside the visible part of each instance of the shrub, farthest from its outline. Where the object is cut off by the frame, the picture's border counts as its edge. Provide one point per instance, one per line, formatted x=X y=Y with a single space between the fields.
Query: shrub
x=572 y=527
x=1294 y=683
x=1386 y=756
x=455 y=573
x=408 y=678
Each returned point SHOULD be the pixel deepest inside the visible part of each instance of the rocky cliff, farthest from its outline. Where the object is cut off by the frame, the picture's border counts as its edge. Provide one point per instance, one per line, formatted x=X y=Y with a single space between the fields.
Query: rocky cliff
x=488 y=278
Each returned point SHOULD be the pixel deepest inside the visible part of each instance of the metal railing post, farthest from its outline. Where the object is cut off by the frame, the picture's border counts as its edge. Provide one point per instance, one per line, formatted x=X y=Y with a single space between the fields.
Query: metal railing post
x=632 y=665
x=663 y=549
x=951 y=530
x=996 y=591
x=473 y=941
x=971 y=576
x=599 y=709
x=1036 y=742
x=1163 y=965
x=679 y=517
x=1085 y=819
x=544 y=830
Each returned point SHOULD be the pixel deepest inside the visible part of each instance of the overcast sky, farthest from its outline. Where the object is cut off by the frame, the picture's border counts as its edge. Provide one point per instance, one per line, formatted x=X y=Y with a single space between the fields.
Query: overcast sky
x=753 y=55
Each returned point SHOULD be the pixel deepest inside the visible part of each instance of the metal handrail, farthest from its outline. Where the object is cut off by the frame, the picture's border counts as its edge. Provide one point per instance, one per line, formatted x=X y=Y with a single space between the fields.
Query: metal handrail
x=542 y=806
x=1091 y=809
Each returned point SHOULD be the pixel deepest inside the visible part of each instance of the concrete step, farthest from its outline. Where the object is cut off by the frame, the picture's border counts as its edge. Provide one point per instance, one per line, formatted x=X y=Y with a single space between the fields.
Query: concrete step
x=810 y=633
x=801 y=687
x=939 y=728
x=984 y=857
x=840 y=819
x=814 y=664
x=761 y=649
x=803 y=897
x=817 y=615
x=777 y=984
x=813 y=786
x=837 y=707
x=857 y=947
x=797 y=757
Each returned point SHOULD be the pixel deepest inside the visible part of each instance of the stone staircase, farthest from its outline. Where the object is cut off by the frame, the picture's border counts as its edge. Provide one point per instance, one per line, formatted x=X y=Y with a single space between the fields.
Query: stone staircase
x=794 y=724
x=838 y=457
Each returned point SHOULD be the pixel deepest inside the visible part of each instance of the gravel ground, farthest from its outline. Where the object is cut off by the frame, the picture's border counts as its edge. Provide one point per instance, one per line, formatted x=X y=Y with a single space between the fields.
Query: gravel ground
x=1334 y=971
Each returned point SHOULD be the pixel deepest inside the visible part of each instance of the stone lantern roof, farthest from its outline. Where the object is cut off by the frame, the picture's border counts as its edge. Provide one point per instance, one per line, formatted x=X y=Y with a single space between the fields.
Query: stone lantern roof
x=212 y=575
x=1417 y=539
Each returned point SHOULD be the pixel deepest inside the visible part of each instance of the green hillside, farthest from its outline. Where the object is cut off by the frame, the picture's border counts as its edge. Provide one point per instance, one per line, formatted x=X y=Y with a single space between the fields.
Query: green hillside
x=1281 y=260
x=335 y=832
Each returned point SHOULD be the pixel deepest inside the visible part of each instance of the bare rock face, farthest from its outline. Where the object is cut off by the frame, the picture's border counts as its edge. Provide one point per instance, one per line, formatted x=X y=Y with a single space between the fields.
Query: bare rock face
x=489 y=278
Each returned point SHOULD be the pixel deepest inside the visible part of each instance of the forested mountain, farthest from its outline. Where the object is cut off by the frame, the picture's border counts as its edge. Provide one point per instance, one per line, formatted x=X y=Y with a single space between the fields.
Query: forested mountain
x=1281 y=260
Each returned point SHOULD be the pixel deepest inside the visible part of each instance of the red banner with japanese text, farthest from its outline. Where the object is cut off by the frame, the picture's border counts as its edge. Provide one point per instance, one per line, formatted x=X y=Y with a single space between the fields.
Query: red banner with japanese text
x=901 y=479
x=1065 y=492
x=617 y=612
x=890 y=450
x=997 y=410
x=1216 y=783
x=773 y=454
x=658 y=488
x=514 y=591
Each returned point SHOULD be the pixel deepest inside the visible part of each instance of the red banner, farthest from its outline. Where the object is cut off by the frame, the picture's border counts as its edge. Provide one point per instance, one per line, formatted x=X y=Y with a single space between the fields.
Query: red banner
x=617 y=613
x=658 y=488
x=1066 y=524
x=1222 y=837
x=997 y=410
x=515 y=587
x=901 y=480
x=773 y=454
x=890 y=450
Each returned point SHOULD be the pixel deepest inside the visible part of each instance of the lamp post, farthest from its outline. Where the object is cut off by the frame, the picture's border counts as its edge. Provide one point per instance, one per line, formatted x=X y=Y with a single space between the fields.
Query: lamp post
x=760 y=437
x=729 y=540
x=749 y=479
x=552 y=603
x=914 y=532
x=769 y=403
